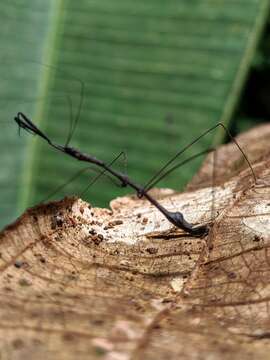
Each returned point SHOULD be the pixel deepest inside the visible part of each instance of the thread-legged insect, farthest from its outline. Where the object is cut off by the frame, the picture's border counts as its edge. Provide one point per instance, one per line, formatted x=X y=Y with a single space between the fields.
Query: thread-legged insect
x=176 y=218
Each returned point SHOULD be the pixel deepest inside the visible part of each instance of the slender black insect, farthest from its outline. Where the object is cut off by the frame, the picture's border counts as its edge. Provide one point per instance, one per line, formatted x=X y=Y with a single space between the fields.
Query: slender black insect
x=176 y=218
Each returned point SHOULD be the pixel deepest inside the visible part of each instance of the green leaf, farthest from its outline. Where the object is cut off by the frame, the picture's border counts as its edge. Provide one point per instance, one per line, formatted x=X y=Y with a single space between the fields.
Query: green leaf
x=156 y=74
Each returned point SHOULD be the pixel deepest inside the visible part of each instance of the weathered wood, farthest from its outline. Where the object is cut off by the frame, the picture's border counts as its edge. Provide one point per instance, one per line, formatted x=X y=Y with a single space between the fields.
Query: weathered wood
x=89 y=283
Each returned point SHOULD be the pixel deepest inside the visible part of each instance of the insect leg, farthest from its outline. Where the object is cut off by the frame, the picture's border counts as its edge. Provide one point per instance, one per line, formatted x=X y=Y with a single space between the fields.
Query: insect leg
x=161 y=173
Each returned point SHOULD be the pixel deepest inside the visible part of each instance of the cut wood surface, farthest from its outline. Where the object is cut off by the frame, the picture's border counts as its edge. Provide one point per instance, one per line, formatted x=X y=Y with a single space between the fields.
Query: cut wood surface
x=89 y=283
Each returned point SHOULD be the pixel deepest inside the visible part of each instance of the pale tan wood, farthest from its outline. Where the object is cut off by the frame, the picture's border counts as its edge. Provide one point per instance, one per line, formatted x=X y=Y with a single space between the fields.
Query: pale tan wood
x=87 y=283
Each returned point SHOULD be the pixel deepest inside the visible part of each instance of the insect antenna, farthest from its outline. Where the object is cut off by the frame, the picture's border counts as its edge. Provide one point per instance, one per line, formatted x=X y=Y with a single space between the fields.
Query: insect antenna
x=73 y=116
x=26 y=124
x=74 y=123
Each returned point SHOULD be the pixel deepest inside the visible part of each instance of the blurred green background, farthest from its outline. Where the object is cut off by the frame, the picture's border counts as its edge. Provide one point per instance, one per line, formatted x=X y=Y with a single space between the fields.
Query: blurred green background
x=151 y=75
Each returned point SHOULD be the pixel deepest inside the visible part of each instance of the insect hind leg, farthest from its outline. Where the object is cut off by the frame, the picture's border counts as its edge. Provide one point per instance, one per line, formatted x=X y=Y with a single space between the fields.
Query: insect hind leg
x=164 y=171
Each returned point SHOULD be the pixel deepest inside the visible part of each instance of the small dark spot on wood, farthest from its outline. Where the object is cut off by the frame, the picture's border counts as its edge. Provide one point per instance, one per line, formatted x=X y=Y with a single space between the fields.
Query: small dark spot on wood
x=57 y=221
x=42 y=260
x=81 y=209
x=97 y=239
x=24 y=282
x=72 y=276
x=257 y=238
x=100 y=351
x=114 y=223
x=68 y=337
x=130 y=277
x=97 y=322
x=152 y=250
x=92 y=232
x=18 y=264
x=144 y=220
x=17 y=343
x=166 y=301
x=232 y=275
x=58 y=237
x=36 y=342
x=118 y=222
x=72 y=221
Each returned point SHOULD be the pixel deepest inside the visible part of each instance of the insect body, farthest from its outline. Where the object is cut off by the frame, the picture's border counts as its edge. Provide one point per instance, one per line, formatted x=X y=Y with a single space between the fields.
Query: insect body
x=176 y=218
